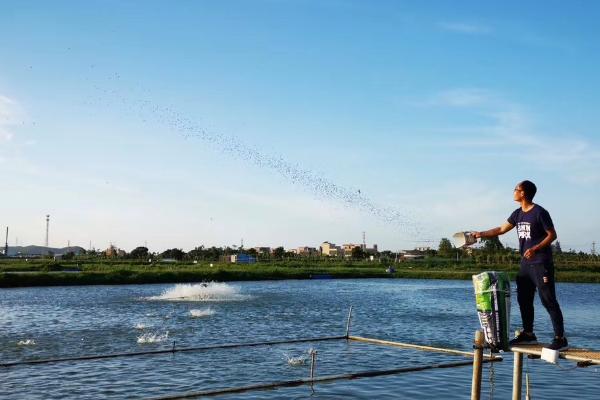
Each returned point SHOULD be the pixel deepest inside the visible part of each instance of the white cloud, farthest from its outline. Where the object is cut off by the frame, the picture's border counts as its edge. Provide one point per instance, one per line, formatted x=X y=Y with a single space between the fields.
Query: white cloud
x=5 y=136
x=512 y=127
x=466 y=28
x=5 y=108
x=10 y=114
x=461 y=97
x=517 y=34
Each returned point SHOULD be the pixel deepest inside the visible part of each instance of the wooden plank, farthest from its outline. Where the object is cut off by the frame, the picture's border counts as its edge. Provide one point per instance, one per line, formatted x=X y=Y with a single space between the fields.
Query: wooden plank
x=577 y=355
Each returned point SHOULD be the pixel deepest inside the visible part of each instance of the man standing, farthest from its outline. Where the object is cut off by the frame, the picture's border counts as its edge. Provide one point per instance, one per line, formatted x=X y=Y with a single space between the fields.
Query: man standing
x=536 y=232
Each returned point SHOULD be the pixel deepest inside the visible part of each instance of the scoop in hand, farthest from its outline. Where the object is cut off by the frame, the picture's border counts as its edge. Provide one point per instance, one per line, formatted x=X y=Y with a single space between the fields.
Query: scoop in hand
x=464 y=239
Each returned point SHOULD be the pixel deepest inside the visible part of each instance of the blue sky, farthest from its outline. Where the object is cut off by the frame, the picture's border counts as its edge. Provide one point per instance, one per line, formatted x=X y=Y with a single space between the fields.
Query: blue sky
x=294 y=122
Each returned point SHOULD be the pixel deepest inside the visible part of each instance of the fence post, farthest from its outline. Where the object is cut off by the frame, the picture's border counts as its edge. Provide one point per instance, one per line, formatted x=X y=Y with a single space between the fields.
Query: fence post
x=517 y=376
x=313 y=363
x=348 y=323
x=477 y=362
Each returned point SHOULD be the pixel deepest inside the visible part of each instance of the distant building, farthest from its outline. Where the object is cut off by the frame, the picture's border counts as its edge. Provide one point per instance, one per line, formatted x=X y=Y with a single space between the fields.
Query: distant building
x=242 y=259
x=412 y=254
x=347 y=248
x=114 y=251
x=306 y=251
x=331 y=250
x=372 y=250
x=40 y=251
x=263 y=250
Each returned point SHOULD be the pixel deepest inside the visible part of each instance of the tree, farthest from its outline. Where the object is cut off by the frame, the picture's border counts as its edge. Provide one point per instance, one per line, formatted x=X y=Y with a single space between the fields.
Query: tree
x=252 y=252
x=176 y=254
x=290 y=255
x=196 y=254
x=68 y=256
x=92 y=253
x=278 y=253
x=556 y=248
x=492 y=245
x=446 y=249
x=139 y=253
x=213 y=253
x=358 y=253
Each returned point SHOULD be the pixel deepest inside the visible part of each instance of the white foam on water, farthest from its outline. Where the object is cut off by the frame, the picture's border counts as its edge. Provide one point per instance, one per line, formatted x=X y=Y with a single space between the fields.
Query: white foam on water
x=199 y=313
x=140 y=326
x=152 y=337
x=297 y=361
x=26 y=342
x=212 y=291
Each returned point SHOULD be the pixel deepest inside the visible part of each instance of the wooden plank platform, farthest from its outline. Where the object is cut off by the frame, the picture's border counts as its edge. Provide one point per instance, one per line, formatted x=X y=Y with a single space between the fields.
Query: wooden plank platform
x=577 y=355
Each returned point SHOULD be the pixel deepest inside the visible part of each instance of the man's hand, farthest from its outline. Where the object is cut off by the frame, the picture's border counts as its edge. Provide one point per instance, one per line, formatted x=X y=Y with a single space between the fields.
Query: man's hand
x=530 y=252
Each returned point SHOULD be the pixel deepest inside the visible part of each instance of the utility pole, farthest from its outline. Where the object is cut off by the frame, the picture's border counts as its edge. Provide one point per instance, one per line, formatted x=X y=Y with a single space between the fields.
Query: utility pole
x=593 y=248
x=47 y=228
x=364 y=243
x=6 y=244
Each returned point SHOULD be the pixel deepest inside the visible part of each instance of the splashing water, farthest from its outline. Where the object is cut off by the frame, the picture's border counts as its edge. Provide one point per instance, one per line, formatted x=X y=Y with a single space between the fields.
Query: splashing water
x=213 y=291
x=140 y=326
x=296 y=361
x=152 y=338
x=27 y=342
x=206 y=312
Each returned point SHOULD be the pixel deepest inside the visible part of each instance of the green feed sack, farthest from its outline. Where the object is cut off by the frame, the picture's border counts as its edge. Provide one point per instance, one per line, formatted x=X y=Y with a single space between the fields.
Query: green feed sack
x=492 y=296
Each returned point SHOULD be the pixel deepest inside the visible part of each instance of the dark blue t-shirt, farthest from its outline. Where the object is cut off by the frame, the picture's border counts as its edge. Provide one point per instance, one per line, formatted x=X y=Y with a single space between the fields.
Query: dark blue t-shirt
x=531 y=230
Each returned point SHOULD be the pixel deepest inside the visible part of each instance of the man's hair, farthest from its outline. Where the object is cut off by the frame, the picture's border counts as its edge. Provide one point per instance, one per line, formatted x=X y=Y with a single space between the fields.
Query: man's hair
x=529 y=189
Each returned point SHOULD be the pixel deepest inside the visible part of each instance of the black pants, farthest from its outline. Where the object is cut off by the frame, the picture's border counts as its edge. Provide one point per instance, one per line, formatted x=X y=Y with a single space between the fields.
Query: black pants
x=529 y=278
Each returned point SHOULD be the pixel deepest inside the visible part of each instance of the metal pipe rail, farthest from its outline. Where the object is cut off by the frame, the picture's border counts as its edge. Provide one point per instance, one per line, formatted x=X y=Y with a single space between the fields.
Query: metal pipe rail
x=309 y=381
x=420 y=347
x=170 y=351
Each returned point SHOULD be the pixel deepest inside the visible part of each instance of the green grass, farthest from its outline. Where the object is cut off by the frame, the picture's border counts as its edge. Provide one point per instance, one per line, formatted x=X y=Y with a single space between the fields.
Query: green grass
x=18 y=273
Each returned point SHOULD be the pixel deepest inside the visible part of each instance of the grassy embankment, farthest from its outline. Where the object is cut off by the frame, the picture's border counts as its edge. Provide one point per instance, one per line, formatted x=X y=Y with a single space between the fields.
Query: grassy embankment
x=19 y=273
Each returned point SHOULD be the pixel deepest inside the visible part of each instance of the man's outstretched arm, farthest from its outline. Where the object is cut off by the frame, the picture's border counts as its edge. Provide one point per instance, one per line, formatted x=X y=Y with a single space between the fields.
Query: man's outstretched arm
x=500 y=230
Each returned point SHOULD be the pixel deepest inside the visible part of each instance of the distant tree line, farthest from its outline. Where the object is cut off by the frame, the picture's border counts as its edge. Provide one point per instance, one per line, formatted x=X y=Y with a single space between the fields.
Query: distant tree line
x=493 y=251
x=490 y=251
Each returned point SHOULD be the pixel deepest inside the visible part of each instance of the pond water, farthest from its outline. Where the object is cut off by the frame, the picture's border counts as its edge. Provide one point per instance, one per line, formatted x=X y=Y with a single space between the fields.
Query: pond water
x=70 y=321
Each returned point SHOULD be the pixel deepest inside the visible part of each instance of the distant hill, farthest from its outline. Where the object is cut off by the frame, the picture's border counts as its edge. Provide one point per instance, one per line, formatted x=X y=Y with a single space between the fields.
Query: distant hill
x=41 y=250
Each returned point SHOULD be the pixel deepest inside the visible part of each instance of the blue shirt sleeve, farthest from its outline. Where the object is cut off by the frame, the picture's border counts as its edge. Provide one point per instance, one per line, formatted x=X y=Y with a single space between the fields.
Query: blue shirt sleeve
x=546 y=220
x=513 y=217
